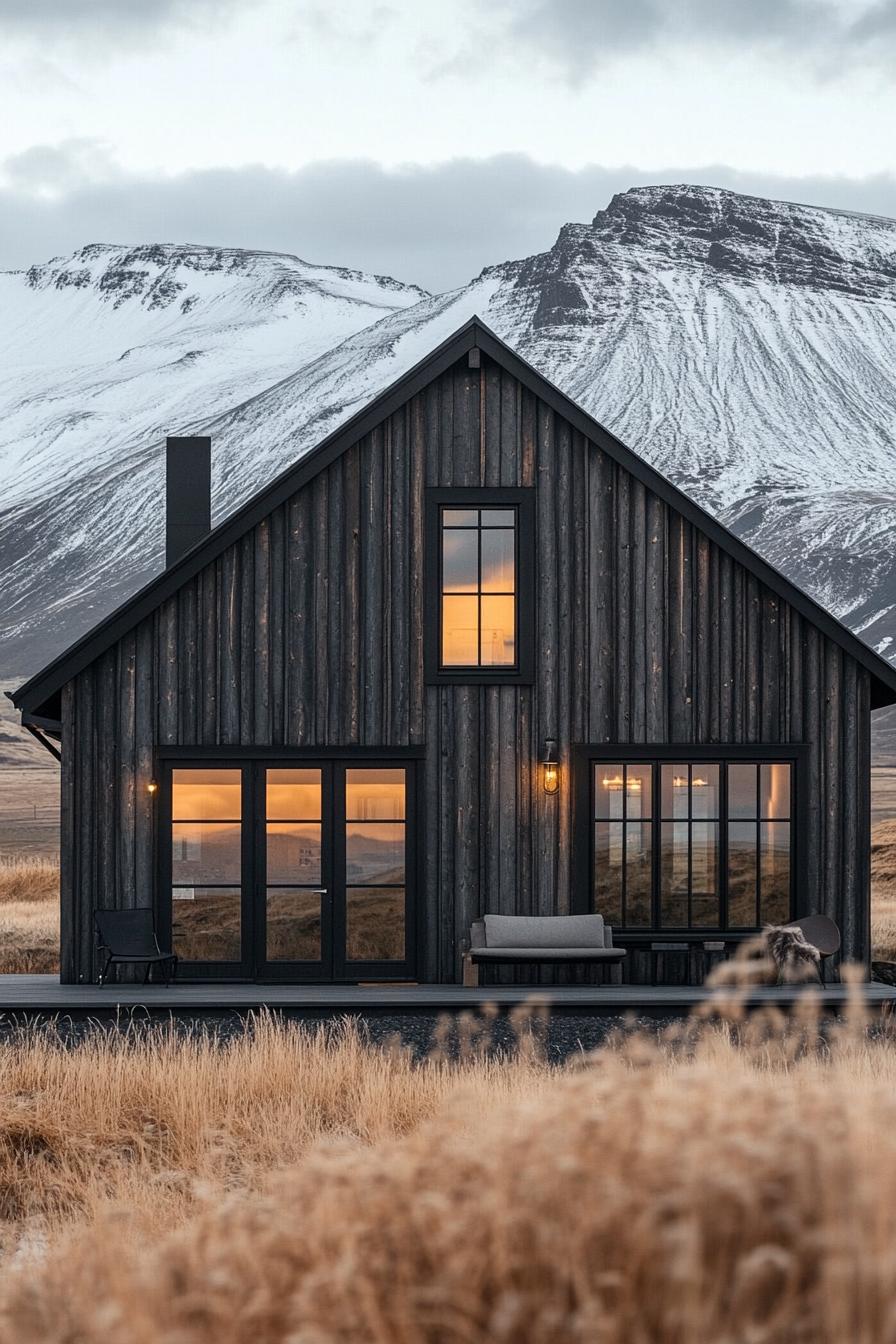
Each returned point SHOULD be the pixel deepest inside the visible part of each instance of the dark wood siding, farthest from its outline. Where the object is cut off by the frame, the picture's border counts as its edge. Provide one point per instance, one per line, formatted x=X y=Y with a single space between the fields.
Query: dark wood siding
x=309 y=632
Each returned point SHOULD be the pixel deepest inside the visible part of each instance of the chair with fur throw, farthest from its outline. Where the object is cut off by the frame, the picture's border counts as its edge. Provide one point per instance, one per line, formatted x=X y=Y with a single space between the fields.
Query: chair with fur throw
x=785 y=954
x=796 y=960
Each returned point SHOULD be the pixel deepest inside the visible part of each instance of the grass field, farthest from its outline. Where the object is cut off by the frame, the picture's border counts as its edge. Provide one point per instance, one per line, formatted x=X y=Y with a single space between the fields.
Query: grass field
x=723 y=1184
x=290 y=1189
x=29 y=915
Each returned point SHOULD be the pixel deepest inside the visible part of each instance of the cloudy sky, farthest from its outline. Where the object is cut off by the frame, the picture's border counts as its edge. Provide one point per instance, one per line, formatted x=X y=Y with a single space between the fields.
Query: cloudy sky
x=418 y=138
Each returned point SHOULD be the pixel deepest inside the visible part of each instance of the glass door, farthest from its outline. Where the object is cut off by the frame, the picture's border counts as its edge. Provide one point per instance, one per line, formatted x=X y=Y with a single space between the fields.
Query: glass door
x=294 y=923
x=288 y=870
x=205 y=865
x=373 y=913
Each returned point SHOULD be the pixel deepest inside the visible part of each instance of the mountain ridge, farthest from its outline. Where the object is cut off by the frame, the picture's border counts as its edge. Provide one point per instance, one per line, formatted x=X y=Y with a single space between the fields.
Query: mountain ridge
x=742 y=346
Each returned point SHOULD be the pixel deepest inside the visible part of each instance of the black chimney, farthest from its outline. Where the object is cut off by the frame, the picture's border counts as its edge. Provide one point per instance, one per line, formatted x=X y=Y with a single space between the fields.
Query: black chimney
x=188 y=495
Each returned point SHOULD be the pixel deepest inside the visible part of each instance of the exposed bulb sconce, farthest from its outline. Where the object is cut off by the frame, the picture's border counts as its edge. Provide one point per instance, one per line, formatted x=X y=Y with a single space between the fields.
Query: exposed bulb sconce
x=550 y=768
x=152 y=787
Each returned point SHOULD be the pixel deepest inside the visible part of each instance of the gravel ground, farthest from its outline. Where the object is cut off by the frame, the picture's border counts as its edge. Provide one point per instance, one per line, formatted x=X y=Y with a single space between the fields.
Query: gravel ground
x=561 y=1036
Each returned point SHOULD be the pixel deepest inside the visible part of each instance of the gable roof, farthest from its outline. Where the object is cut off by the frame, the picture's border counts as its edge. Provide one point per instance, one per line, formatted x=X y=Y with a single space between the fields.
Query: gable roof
x=38 y=697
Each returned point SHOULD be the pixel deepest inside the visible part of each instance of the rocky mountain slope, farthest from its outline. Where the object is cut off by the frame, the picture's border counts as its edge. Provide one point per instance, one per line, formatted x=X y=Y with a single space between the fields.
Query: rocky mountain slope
x=745 y=347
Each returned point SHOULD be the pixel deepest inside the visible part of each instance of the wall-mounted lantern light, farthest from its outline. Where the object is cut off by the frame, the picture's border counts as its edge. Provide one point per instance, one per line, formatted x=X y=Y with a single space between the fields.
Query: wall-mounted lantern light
x=550 y=769
x=152 y=787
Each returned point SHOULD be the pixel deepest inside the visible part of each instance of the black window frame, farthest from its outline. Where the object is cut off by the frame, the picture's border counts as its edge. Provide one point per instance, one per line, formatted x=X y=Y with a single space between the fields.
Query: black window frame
x=522 y=500
x=253 y=761
x=586 y=756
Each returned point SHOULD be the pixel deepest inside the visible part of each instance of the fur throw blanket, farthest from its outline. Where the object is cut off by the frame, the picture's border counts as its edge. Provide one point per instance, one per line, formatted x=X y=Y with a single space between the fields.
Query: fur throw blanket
x=777 y=956
x=793 y=956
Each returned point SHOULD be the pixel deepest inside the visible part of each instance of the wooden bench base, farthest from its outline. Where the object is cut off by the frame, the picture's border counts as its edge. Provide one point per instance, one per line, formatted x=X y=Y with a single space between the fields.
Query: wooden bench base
x=471 y=967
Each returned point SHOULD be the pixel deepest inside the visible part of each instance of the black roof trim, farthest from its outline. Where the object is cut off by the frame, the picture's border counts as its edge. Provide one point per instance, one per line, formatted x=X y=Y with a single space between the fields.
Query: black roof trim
x=36 y=695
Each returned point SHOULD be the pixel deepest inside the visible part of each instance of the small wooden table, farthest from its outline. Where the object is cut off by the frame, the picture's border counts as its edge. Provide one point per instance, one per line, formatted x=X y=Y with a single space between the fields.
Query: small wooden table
x=663 y=949
x=711 y=949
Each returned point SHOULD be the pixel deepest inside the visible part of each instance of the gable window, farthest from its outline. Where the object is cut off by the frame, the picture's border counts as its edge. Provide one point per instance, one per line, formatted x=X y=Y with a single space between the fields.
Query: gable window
x=682 y=844
x=480 y=547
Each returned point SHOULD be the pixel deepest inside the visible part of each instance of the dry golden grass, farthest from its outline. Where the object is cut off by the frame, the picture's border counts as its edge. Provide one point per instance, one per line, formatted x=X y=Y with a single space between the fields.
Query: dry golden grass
x=883 y=890
x=29 y=916
x=150 y=1120
x=287 y=1188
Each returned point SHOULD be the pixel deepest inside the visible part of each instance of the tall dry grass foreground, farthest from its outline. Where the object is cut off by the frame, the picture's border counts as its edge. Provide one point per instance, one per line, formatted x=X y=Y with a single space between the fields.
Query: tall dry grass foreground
x=691 y=1191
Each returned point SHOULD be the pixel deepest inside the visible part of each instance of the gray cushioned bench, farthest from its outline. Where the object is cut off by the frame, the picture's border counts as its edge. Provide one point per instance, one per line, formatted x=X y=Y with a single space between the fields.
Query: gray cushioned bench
x=542 y=938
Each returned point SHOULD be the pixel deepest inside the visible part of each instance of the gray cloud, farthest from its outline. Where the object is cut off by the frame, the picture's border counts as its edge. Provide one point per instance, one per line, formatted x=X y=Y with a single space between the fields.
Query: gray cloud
x=580 y=36
x=435 y=226
x=52 y=20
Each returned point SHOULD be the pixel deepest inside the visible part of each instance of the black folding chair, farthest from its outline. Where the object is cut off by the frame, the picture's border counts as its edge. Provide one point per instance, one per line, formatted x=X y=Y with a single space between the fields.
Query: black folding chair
x=129 y=937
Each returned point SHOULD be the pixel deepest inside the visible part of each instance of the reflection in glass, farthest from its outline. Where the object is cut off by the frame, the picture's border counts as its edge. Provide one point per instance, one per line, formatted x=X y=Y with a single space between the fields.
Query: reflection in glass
x=460 y=631
x=741 y=791
x=774 y=791
x=498 y=635
x=460 y=560
x=674 y=873
x=374 y=919
x=478 y=588
x=742 y=871
x=704 y=912
x=206 y=923
x=638 y=875
x=704 y=858
x=638 y=786
x=696 y=799
x=609 y=791
x=293 y=795
x=498 y=561
x=375 y=853
x=608 y=854
x=293 y=853
x=206 y=795
x=675 y=789
x=293 y=928
x=374 y=795
x=774 y=851
x=705 y=791
x=205 y=852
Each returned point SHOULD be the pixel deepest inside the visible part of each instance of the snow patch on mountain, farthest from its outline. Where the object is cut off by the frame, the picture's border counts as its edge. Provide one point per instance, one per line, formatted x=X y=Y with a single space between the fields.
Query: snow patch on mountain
x=744 y=347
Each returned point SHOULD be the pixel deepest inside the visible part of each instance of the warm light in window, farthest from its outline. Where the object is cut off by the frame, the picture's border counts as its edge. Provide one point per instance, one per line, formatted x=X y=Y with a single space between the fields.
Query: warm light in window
x=633 y=784
x=478 y=587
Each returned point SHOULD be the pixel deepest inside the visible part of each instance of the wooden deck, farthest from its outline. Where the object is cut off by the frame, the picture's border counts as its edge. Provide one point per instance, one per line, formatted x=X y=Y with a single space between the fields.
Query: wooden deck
x=42 y=995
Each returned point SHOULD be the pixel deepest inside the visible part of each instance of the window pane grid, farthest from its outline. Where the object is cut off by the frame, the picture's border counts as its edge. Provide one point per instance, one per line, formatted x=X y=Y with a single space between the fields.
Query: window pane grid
x=708 y=864
x=375 y=864
x=478 y=599
x=206 y=863
x=293 y=916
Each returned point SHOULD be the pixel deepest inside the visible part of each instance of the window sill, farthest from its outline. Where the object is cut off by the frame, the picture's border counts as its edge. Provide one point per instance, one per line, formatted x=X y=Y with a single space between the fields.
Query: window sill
x=485 y=677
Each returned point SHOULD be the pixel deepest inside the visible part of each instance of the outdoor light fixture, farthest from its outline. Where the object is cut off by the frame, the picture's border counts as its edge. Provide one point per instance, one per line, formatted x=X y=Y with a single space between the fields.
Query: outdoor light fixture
x=152 y=787
x=550 y=769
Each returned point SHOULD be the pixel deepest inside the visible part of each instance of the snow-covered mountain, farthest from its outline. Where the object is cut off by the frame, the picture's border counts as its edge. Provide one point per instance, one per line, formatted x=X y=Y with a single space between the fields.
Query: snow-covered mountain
x=745 y=347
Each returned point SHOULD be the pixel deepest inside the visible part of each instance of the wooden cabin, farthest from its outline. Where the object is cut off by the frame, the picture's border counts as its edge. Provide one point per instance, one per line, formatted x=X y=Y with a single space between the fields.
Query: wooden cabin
x=471 y=654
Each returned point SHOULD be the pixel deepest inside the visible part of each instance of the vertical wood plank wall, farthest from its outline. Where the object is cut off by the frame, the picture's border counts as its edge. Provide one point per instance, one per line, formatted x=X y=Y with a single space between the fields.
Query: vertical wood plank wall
x=309 y=631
